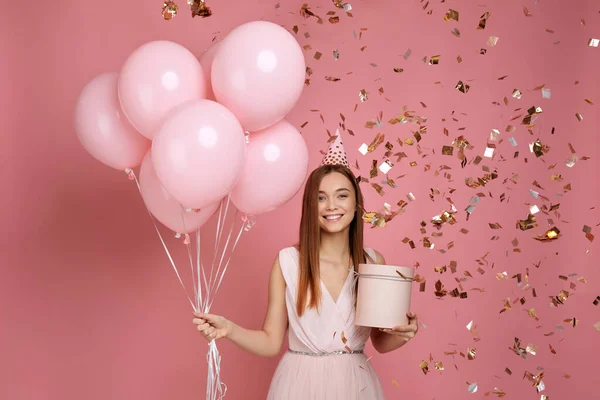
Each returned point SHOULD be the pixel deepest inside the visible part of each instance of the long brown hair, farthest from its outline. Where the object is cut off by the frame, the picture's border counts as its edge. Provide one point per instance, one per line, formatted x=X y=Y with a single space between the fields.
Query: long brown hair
x=310 y=237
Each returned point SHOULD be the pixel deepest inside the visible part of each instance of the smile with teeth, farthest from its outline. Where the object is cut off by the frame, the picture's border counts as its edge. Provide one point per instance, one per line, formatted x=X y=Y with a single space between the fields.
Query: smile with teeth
x=333 y=218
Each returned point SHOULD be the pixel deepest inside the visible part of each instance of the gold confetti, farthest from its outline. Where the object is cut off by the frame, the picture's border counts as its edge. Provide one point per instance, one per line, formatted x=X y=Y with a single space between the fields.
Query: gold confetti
x=483 y=20
x=471 y=353
x=398 y=70
x=424 y=367
x=434 y=60
x=507 y=306
x=579 y=117
x=517 y=94
x=445 y=217
x=376 y=142
x=439 y=289
x=526 y=12
x=538 y=148
x=373 y=172
x=447 y=150
x=306 y=13
x=597 y=326
x=363 y=95
x=532 y=313
x=462 y=87
x=378 y=189
x=451 y=14
x=199 y=8
x=551 y=234
x=589 y=101
x=593 y=42
x=380 y=218
x=169 y=10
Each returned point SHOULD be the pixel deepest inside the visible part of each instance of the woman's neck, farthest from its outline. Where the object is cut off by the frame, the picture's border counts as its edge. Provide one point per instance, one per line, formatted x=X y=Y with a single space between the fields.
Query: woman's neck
x=335 y=246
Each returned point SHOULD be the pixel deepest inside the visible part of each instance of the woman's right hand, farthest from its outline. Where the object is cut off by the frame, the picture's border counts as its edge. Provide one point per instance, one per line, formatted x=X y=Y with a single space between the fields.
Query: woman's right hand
x=212 y=327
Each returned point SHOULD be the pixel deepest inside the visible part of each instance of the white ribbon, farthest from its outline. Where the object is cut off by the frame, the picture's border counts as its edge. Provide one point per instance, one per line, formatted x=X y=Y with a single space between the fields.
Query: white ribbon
x=132 y=174
x=205 y=288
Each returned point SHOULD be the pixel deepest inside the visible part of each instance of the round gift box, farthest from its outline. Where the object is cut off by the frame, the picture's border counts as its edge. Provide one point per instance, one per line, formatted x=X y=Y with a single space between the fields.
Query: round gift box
x=383 y=297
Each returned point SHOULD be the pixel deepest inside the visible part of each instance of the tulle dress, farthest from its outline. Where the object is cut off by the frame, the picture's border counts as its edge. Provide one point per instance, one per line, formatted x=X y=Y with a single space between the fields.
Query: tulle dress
x=325 y=360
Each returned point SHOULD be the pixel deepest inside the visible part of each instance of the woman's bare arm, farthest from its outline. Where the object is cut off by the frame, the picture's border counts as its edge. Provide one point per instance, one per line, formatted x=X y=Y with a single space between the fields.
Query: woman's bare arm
x=268 y=341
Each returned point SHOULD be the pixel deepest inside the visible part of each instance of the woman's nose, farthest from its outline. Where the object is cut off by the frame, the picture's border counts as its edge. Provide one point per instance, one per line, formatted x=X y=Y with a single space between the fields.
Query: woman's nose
x=331 y=205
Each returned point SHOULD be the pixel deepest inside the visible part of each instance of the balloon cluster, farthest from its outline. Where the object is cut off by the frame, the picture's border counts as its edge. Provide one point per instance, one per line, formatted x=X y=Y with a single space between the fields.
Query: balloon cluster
x=202 y=128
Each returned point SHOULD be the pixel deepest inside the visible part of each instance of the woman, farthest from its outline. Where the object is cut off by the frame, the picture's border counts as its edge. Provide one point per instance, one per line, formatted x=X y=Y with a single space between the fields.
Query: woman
x=311 y=292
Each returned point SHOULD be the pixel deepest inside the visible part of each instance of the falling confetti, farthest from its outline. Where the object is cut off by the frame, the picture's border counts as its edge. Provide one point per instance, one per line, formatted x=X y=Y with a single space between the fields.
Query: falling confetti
x=464 y=88
x=169 y=10
x=451 y=15
x=199 y=8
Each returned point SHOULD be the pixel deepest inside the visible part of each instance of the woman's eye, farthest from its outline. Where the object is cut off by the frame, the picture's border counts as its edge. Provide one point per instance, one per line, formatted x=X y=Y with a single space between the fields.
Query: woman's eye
x=343 y=196
x=321 y=198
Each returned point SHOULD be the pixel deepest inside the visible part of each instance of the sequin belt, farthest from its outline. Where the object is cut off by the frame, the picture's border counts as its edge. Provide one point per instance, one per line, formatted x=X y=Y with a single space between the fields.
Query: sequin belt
x=305 y=353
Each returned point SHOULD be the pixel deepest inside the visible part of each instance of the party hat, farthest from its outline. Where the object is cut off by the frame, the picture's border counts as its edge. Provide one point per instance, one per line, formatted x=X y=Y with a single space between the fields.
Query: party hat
x=336 y=155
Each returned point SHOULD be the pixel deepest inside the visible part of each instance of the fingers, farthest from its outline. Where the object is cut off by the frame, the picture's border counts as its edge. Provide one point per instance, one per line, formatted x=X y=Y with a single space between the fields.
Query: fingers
x=202 y=325
x=209 y=333
x=405 y=332
x=404 y=328
x=202 y=315
x=403 y=335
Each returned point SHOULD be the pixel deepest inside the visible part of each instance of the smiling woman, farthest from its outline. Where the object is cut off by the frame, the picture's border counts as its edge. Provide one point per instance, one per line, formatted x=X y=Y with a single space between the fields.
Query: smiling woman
x=311 y=293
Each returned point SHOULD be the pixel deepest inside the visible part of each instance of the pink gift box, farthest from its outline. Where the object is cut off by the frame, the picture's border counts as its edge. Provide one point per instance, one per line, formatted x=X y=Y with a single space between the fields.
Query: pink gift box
x=383 y=295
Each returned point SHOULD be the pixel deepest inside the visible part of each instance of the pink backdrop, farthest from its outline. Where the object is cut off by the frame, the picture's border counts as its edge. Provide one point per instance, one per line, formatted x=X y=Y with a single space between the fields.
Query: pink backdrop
x=91 y=308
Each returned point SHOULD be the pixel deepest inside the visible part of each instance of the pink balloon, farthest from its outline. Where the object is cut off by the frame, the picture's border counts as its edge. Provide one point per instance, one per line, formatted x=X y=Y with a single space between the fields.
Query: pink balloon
x=206 y=60
x=258 y=73
x=155 y=78
x=102 y=128
x=165 y=207
x=199 y=153
x=276 y=166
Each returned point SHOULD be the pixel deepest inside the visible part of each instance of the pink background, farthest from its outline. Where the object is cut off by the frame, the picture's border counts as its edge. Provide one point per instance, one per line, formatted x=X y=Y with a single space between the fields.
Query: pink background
x=90 y=307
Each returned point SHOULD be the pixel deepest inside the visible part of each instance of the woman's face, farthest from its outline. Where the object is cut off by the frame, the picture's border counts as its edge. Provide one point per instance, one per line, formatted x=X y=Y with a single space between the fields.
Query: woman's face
x=337 y=202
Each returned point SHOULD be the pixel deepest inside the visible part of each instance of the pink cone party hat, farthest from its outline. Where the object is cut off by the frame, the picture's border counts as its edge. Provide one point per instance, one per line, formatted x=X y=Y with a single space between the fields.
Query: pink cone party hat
x=336 y=155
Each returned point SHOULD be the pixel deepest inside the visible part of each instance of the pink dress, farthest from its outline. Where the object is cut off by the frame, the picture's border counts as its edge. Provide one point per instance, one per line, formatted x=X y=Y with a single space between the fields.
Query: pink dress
x=311 y=370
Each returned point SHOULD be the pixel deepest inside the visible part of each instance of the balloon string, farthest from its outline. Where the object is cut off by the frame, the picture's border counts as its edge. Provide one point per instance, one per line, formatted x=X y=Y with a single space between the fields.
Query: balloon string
x=213 y=283
x=215 y=389
x=235 y=243
x=186 y=241
x=132 y=176
x=219 y=233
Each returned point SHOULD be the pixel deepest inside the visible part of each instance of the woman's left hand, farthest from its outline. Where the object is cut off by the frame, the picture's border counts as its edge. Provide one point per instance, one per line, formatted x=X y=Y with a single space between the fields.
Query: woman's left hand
x=405 y=332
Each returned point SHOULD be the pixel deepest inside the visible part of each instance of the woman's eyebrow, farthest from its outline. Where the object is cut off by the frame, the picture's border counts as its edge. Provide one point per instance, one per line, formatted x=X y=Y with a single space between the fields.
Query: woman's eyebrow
x=339 y=190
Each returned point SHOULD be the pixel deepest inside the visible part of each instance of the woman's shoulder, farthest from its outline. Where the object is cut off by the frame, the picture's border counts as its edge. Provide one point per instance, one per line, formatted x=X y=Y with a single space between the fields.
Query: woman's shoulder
x=291 y=249
x=288 y=252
